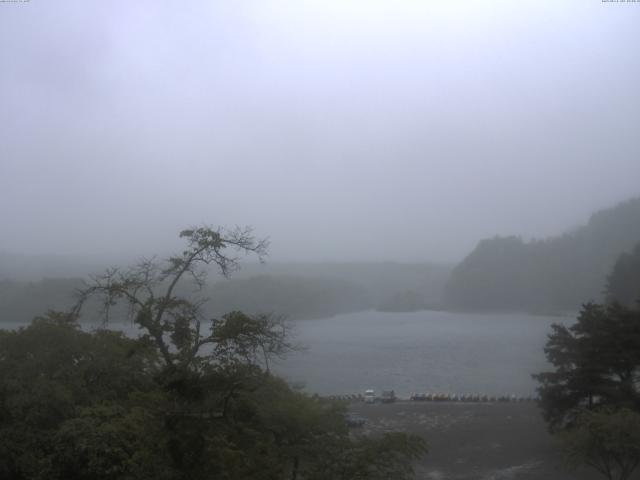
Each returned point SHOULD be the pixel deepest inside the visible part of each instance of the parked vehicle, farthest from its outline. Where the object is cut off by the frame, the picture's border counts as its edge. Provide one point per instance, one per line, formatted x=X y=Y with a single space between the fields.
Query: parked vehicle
x=388 y=396
x=369 y=396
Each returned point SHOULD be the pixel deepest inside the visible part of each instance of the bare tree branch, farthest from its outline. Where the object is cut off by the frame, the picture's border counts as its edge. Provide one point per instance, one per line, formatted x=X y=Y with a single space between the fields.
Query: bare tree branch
x=148 y=288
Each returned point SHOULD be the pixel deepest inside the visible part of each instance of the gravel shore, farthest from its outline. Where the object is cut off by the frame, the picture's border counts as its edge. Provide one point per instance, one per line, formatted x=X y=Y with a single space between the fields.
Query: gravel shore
x=479 y=441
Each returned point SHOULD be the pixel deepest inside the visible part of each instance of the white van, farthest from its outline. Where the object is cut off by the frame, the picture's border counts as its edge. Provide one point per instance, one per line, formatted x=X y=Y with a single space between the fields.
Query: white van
x=369 y=396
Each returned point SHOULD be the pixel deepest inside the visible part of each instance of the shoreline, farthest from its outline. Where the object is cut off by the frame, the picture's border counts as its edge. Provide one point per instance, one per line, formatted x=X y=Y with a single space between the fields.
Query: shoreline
x=474 y=441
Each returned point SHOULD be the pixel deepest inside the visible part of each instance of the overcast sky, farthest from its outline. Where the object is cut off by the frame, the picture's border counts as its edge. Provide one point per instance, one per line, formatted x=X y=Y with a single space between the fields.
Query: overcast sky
x=342 y=129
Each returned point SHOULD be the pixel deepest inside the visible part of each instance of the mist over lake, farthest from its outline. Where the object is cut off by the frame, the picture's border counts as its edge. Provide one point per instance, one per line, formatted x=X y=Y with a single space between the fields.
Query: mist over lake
x=414 y=352
x=427 y=351
x=225 y=223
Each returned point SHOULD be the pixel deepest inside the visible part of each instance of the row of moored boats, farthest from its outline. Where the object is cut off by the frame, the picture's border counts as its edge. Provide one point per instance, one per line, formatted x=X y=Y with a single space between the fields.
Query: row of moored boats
x=468 y=397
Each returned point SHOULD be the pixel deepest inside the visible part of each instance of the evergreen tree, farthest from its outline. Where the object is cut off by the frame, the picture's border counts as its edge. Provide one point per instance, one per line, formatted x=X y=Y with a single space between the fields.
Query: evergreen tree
x=623 y=285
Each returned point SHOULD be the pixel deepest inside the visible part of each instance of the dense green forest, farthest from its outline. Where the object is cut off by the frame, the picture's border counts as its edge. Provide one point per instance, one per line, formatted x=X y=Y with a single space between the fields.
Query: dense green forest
x=190 y=398
x=555 y=274
x=590 y=398
x=91 y=406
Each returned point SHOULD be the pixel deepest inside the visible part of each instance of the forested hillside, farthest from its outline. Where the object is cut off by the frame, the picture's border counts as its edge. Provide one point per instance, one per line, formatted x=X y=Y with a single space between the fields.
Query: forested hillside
x=388 y=285
x=558 y=273
x=293 y=296
x=623 y=285
x=297 y=291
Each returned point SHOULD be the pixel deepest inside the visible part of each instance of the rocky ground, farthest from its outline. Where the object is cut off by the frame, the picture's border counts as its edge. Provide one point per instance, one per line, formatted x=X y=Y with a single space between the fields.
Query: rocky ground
x=479 y=441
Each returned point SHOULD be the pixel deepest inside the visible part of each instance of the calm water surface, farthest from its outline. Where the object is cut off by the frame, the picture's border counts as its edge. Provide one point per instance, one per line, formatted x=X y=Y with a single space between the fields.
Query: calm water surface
x=420 y=352
x=425 y=351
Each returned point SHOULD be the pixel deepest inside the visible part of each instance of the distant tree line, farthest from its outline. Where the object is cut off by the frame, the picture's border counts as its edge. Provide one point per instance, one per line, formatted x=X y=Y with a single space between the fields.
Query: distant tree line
x=294 y=296
x=298 y=291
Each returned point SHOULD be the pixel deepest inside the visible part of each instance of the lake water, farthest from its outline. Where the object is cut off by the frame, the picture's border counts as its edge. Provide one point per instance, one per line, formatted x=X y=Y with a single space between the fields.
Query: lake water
x=420 y=352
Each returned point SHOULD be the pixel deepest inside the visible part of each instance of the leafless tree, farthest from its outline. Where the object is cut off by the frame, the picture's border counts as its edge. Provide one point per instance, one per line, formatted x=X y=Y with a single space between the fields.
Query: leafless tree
x=175 y=324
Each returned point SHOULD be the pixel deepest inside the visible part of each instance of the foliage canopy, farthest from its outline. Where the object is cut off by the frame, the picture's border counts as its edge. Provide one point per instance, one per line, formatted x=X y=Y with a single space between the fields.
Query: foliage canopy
x=607 y=440
x=190 y=398
x=597 y=363
x=592 y=398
